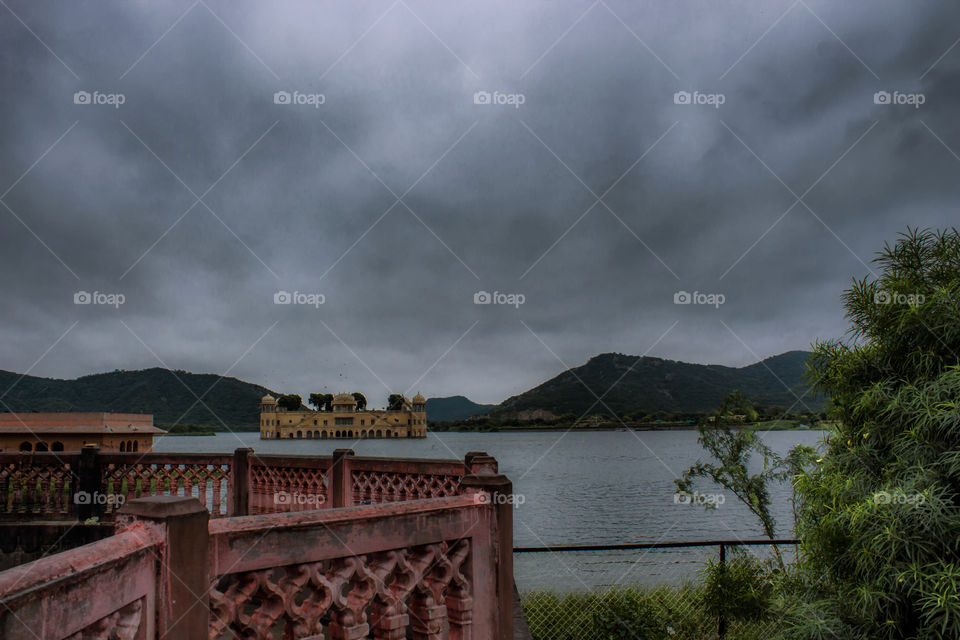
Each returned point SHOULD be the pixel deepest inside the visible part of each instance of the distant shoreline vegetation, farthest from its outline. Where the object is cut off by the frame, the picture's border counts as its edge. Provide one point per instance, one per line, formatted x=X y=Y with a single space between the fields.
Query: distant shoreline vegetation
x=606 y=423
x=191 y=430
x=790 y=422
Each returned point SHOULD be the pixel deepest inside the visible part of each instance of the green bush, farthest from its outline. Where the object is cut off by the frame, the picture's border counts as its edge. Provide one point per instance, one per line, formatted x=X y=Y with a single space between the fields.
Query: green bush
x=879 y=517
x=742 y=588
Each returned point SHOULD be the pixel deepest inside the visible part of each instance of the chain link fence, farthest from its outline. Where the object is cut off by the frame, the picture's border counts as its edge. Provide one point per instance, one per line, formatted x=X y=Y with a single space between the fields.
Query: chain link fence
x=640 y=592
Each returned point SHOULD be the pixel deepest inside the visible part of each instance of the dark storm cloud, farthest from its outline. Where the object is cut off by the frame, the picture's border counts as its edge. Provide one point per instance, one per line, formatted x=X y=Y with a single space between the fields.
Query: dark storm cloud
x=494 y=198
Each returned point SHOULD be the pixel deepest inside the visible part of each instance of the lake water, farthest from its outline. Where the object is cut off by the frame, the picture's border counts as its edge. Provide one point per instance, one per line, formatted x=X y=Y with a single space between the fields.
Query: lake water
x=601 y=487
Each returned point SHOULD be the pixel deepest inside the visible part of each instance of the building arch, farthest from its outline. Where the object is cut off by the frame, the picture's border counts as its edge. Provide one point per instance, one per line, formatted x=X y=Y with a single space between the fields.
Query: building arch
x=26 y=446
x=299 y=434
x=135 y=447
x=123 y=447
x=42 y=446
x=323 y=434
x=57 y=446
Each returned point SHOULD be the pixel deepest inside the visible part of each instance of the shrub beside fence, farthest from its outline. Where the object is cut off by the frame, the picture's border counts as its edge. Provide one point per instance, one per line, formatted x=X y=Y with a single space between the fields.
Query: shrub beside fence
x=654 y=591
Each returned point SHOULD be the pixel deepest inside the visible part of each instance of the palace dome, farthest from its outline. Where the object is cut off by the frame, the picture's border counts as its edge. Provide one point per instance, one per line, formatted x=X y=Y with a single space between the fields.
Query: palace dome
x=268 y=399
x=419 y=399
x=344 y=398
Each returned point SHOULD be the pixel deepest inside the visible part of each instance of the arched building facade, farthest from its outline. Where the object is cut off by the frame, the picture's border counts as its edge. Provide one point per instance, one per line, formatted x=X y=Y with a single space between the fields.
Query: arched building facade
x=344 y=422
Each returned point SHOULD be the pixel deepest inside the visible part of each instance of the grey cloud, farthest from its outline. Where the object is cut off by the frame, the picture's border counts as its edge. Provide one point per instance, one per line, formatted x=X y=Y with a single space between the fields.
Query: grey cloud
x=396 y=291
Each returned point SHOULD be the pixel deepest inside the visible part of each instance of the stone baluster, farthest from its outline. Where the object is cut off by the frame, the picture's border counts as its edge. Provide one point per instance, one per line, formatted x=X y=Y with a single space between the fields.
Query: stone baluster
x=183 y=601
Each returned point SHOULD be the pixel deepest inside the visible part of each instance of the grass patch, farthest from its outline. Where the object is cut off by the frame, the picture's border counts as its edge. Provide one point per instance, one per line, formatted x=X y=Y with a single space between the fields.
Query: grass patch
x=632 y=613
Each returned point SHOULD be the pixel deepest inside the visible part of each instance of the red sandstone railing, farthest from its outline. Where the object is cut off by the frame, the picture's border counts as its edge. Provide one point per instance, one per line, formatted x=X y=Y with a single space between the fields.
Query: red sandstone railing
x=70 y=486
x=438 y=568
x=37 y=485
x=106 y=589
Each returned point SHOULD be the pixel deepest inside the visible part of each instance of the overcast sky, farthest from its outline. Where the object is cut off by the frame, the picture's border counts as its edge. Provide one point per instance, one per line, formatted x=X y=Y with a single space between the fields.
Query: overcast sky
x=145 y=151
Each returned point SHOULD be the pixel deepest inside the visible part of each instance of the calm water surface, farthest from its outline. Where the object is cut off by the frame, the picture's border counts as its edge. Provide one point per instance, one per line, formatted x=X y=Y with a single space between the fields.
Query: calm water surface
x=576 y=488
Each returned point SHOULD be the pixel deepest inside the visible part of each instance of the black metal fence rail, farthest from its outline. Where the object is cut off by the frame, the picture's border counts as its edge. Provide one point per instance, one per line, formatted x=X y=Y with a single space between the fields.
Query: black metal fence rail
x=631 y=546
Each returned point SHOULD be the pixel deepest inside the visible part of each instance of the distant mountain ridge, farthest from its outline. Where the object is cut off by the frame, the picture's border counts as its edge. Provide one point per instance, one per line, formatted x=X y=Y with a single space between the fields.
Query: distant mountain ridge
x=649 y=384
x=165 y=394
x=455 y=408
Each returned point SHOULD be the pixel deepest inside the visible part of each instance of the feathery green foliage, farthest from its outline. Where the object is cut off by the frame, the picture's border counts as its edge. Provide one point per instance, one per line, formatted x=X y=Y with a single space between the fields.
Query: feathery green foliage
x=880 y=512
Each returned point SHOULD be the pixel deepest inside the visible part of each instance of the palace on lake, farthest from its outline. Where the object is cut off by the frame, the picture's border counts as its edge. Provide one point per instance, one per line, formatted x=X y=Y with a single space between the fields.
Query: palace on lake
x=344 y=421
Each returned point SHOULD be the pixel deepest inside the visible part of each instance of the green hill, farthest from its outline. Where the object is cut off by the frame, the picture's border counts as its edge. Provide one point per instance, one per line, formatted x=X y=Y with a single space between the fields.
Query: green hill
x=653 y=384
x=171 y=396
x=454 y=408
x=648 y=384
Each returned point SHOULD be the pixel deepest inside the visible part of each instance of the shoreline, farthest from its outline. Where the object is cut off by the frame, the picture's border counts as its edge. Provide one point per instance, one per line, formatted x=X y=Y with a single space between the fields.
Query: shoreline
x=546 y=429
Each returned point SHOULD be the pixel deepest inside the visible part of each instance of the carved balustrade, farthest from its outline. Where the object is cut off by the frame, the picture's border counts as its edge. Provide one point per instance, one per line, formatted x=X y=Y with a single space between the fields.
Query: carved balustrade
x=91 y=484
x=434 y=568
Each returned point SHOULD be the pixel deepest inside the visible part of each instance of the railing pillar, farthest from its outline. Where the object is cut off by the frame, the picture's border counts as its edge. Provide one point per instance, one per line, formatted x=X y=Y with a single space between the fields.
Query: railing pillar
x=86 y=494
x=341 y=487
x=480 y=462
x=183 y=586
x=497 y=490
x=240 y=482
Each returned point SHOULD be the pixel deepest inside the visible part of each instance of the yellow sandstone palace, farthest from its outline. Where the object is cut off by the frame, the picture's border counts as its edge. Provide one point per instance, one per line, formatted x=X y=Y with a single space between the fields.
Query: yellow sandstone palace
x=344 y=421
